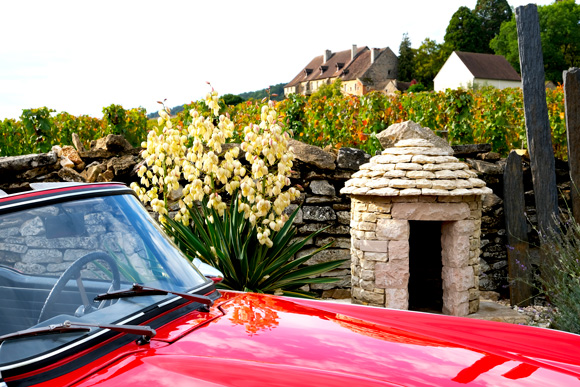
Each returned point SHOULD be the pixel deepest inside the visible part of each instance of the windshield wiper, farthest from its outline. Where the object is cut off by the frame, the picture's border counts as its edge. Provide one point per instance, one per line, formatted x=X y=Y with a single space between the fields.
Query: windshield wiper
x=139 y=290
x=145 y=332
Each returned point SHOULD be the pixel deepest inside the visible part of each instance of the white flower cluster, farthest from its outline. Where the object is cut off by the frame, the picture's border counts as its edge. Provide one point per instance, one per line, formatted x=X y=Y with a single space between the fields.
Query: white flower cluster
x=195 y=155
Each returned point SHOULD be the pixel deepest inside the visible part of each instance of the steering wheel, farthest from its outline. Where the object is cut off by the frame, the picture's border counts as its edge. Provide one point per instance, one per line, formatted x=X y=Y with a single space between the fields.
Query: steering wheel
x=74 y=271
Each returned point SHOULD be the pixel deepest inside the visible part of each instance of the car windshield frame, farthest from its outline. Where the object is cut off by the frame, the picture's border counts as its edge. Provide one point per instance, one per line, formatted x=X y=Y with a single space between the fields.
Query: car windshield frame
x=113 y=211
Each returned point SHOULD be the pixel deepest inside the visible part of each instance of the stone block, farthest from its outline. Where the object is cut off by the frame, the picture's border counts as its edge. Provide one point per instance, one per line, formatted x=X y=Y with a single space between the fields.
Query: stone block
x=451 y=298
x=370 y=235
x=366 y=226
x=74 y=254
x=430 y=211
x=380 y=207
x=374 y=246
x=322 y=187
x=13 y=247
x=337 y=242
x=358 y=206
x=397 y=299
x=371 y=297
x=343 y=217
x=473 y=294
x=10 y=165
x=298 y=218
x=367 y=285
x=57 y=267
x=313 y=155
x=341 y=207
x=455 y=250
x=367 y=275
x=369 y=217
x=376 y=256
x=34 y=226
x=341 y=283
x=61 y=243
x=473 y=306
x=338 y=273
x=399 y=249
x=462 y=227
x=30 y=268
x=392 y=275
x=336 y=230
x=351 y=158
x=42 y=256
x=457 y=310
x=457 y=279
x=326 y=256
x=367 y=264
x=392 y=229
x=318 y=214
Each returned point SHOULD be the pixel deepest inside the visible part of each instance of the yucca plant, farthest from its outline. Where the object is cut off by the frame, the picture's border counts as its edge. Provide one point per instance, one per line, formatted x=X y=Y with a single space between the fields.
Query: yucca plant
x=232 y=207
x=230 y=244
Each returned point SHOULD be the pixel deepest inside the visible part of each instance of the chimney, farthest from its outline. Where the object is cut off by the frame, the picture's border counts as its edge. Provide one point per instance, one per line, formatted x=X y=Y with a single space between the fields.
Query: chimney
x=327 y=54
x=353 y=52
x=374 y=53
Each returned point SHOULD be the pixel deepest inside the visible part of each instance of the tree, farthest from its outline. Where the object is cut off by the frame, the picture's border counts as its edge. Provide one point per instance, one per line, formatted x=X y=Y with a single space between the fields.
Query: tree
x=406 y=57
x=491 y=14
x=560 y=39
x=429 y=58
x=231 y=99
x=464 y=32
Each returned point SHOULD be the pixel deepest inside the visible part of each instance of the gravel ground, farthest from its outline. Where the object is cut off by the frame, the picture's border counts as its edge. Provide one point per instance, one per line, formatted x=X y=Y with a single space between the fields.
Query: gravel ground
x=541 y=315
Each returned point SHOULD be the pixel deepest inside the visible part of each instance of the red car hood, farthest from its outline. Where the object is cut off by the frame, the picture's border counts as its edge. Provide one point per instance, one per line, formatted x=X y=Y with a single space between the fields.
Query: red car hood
x=260 y=340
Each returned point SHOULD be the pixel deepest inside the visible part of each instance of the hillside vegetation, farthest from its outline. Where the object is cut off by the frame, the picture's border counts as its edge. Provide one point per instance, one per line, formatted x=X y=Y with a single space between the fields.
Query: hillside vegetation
x=324 y=119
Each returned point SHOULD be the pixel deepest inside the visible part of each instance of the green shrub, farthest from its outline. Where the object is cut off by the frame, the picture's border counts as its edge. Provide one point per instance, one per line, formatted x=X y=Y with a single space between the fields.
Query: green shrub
x=560 y=272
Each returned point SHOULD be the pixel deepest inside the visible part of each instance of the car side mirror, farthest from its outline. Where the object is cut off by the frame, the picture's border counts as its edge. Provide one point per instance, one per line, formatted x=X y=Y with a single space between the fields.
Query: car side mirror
x=208 y=271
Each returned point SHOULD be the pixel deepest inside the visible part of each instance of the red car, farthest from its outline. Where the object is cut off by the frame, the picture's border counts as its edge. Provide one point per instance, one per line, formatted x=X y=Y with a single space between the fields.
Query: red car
x=92 y=293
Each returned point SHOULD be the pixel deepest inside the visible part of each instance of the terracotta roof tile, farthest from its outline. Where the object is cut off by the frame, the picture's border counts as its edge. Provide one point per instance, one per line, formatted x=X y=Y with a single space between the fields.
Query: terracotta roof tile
x=330 y=70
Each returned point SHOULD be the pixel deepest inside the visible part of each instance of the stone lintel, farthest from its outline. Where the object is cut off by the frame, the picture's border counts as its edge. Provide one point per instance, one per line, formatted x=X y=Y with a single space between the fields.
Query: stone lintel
x=430 y=211
x=397 y=298
x=374 y=246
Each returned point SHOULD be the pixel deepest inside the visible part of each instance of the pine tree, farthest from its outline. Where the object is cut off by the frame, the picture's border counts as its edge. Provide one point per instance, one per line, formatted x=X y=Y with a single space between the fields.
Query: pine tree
x=406 y=59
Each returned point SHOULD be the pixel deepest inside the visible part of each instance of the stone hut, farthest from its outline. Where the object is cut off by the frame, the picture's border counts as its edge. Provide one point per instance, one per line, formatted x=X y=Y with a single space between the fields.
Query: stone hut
x=415 y=226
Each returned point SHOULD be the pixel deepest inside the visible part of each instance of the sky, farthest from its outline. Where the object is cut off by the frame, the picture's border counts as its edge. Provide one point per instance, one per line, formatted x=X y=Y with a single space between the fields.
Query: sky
x=80 y=56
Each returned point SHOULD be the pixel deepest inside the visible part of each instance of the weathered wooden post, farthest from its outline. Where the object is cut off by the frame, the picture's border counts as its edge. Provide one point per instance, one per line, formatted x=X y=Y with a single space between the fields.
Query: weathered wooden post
x=516 y=226
x=536 y=115
x=572 y=97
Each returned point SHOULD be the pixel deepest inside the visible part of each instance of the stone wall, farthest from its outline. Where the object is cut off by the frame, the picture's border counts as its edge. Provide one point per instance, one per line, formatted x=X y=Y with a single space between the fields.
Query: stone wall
x=110 y=159
x=321 y=174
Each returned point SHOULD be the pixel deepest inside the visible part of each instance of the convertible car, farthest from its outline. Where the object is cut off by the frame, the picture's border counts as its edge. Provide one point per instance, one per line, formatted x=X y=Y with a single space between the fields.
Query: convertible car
x=92 y=293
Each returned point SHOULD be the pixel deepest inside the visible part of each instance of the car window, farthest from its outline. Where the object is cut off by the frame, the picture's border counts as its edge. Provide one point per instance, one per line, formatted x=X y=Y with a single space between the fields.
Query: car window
x=73 y=251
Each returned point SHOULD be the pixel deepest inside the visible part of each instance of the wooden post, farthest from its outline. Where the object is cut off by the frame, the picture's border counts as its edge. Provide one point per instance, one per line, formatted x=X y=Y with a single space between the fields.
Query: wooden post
x=519 y=268
x=536 y=114
x=572 y=97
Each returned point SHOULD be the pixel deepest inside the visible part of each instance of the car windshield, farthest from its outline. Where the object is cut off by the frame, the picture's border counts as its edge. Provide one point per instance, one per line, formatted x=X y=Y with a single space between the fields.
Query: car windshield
x=54 y=260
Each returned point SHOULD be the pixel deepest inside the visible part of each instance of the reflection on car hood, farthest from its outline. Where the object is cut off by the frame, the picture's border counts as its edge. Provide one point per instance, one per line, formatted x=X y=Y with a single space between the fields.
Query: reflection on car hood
x=276 y=341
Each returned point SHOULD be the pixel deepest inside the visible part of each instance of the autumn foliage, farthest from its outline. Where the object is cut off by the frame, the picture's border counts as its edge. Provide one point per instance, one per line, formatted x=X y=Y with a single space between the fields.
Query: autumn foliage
x=487 y=115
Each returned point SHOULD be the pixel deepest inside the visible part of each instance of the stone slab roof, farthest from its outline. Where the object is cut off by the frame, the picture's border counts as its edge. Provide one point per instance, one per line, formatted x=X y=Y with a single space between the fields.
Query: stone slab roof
x=415 y=167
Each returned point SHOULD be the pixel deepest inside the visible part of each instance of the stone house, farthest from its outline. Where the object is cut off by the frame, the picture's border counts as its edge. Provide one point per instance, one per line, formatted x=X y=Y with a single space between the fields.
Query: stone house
x=360 y=70
x=467 y=69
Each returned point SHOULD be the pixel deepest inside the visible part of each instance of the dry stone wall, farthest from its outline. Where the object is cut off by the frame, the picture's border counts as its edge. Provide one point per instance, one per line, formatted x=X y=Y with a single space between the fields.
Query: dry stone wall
x=321 y=175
